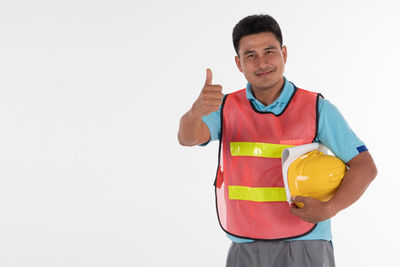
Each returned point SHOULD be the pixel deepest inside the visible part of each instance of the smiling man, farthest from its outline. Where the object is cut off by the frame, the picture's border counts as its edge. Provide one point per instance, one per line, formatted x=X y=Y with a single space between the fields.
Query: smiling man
x=272 y=112
x=262 y=60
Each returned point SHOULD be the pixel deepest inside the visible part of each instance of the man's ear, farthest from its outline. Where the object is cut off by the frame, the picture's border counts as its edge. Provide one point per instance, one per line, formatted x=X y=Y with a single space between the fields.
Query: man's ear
x=284 y=53
x=237 y=60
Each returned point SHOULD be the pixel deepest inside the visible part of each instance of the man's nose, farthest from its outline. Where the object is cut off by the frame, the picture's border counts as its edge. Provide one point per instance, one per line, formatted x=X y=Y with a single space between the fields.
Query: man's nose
x=262 y=62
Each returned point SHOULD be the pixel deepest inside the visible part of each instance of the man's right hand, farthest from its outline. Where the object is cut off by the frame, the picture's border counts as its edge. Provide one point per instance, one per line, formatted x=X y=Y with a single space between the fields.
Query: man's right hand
x=210 y=98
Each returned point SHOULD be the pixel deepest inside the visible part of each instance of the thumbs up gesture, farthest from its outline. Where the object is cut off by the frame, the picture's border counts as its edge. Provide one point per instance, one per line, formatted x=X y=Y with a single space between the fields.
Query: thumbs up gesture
x=210 y=97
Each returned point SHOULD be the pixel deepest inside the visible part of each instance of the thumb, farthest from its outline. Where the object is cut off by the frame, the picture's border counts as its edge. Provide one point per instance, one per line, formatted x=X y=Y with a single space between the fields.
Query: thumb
x=208 y=77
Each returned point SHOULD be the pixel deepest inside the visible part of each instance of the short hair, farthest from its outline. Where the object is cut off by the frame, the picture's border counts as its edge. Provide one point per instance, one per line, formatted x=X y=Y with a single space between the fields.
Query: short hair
x=254 y=24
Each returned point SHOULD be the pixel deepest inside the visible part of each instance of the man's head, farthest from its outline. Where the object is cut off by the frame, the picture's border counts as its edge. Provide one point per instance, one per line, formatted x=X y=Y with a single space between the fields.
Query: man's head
x=255 y=24
x=260 y=55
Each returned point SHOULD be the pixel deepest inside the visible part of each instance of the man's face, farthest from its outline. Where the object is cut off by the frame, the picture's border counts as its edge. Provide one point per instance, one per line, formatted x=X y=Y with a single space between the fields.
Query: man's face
x=262 y=60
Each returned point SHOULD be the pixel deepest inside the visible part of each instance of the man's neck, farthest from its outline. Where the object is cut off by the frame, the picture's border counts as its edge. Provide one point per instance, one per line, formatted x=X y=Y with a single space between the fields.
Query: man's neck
x=268 y=95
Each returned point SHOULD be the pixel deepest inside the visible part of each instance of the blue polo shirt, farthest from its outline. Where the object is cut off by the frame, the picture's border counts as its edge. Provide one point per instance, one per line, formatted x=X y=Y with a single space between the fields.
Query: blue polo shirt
x=333 y=132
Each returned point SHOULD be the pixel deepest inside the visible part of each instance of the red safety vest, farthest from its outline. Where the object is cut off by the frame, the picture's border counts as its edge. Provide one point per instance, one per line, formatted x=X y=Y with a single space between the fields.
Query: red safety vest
x=251 y=199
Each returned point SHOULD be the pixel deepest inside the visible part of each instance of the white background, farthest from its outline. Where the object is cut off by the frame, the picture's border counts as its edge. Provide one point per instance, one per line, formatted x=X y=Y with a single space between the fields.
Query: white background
x=91 y=93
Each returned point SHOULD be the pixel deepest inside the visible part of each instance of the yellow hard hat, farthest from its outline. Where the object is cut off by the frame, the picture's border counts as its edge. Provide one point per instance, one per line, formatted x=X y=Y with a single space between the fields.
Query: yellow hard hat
x=315 y=175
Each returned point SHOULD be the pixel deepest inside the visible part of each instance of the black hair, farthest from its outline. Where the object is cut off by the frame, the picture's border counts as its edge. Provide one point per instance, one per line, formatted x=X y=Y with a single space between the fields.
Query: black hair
x=255 y=24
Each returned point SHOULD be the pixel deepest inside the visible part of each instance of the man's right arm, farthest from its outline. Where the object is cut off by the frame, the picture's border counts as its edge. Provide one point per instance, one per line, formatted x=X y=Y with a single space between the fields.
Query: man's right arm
x=192 y=130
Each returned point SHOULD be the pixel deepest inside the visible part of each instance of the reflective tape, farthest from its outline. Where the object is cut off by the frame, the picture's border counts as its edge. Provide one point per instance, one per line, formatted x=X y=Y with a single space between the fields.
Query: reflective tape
x=265 y=150
x=258 y=194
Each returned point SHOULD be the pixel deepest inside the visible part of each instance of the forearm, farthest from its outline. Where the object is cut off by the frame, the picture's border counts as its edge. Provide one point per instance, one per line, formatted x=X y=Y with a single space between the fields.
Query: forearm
x=192 y=130
x=362 y=171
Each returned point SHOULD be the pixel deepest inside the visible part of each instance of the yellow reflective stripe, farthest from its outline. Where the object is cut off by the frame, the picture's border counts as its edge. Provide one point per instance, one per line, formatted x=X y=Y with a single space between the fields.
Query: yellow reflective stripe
x=257 y=149
x=259 y=194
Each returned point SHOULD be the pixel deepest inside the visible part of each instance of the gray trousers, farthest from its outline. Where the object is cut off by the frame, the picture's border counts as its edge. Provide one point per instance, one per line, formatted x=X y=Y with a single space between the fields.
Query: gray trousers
x=301 y=253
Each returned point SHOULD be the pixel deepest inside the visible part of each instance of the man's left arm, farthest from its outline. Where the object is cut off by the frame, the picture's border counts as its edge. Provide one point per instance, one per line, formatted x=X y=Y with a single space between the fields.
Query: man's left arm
x=361 y=172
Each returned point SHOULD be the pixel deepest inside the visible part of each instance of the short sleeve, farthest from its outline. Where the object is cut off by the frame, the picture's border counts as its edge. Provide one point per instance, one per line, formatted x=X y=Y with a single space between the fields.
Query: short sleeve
x=213 y=122
x=335 y=133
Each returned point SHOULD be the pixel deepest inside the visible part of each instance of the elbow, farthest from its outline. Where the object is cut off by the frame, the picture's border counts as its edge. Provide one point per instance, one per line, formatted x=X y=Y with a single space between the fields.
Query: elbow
x=373 y=171
x=366 y=164
x=182 y=141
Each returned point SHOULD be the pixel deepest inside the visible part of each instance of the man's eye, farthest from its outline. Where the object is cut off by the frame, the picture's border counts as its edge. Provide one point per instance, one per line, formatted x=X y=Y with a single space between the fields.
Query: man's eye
x=269 y=52
x=250 y=56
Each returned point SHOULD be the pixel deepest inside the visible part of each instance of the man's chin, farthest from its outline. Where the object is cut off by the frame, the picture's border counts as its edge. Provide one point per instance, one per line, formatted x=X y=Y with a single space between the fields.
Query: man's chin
x=265 y=84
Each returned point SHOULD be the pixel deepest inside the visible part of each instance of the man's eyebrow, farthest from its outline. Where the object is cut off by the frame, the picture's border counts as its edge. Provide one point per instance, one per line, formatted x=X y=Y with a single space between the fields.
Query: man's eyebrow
x=248 y=52
x=271 y=47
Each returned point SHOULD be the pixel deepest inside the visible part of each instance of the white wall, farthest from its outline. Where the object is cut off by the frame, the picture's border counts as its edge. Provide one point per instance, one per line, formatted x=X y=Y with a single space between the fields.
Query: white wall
x=91 y=93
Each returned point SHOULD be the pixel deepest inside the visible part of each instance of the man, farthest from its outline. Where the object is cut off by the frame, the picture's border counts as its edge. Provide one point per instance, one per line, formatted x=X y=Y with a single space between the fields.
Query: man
x=272 y=108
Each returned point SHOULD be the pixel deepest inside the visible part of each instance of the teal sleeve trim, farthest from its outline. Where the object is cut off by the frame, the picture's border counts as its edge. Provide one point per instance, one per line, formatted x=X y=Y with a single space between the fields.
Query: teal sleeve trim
x=362 y=149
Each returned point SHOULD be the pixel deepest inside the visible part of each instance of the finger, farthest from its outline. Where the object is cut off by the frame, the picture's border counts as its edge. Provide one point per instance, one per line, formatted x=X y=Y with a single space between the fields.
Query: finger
x=213 y=88
x=208 y=77
x=299 y=199
x=207 y=95
x=213 y=95
x=213 y=104
x=215 y=107
x=209 y=111
x=211 y=108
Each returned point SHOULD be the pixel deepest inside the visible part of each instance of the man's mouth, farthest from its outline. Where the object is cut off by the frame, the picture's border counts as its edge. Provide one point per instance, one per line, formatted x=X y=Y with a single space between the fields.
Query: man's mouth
x=264 y=73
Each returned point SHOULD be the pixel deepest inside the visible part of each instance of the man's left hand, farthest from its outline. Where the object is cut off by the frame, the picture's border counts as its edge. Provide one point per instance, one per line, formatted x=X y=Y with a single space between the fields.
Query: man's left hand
x=313 y=211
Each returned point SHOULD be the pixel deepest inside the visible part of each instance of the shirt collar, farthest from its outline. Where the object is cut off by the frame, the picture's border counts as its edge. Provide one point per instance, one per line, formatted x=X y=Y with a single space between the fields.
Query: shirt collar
x=284 y=97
